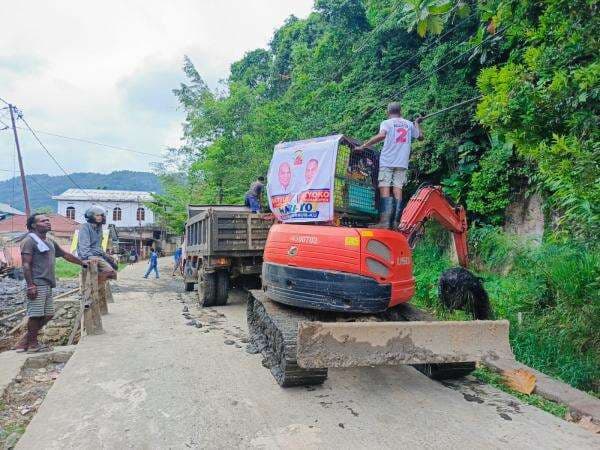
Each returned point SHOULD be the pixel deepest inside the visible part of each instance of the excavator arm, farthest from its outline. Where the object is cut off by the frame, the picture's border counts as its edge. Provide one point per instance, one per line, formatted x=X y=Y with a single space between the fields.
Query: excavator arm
x=430 y=203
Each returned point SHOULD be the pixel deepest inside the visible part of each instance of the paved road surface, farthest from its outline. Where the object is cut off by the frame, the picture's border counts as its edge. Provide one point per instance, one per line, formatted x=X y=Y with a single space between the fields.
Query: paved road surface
x=153 y=382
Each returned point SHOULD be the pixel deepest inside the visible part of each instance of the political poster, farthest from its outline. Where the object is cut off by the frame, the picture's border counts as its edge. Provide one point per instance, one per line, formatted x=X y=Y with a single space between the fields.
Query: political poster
x=300 y=180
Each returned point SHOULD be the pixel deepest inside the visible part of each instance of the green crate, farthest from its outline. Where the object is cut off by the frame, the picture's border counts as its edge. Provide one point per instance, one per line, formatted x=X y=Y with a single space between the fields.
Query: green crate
x=361 y=198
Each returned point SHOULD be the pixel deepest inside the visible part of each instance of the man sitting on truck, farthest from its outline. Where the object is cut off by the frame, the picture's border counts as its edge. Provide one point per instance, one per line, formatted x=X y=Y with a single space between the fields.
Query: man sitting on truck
x=253 y=195
x=397 y=134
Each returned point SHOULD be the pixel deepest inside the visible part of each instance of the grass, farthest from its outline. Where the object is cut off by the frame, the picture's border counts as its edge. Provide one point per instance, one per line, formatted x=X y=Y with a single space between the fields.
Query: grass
x=550 y=294
x=64 y=269
x=494 y=379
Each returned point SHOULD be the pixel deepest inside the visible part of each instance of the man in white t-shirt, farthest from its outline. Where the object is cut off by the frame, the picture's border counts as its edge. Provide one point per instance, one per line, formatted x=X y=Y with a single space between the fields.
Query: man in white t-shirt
x=397 y=134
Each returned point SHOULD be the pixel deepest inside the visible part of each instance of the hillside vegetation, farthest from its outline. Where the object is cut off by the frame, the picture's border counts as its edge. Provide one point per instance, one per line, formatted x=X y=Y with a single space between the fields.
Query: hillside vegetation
x=40 y=186
x=532 y=68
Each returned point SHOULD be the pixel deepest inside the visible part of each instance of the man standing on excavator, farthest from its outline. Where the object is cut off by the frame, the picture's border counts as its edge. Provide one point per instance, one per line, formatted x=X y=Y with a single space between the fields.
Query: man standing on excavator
x=397 y=134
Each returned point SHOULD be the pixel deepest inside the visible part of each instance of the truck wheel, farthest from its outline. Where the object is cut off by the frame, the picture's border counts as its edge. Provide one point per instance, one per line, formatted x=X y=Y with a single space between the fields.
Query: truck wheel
x=189 y=287
x=207 y=289
x=222 y=287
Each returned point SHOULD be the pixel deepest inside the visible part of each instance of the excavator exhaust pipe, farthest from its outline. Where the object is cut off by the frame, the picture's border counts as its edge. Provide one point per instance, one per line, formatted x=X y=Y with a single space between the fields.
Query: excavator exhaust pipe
x=356 y=344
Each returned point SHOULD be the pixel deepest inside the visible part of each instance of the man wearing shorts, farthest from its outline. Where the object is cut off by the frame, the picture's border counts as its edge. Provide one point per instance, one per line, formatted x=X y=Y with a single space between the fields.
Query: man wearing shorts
x=38 y=255
x=89 y=244
x=397 y=134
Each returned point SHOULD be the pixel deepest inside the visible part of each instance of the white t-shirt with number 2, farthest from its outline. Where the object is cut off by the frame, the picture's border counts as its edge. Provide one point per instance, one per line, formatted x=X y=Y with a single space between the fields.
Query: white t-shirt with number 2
x=399 y=133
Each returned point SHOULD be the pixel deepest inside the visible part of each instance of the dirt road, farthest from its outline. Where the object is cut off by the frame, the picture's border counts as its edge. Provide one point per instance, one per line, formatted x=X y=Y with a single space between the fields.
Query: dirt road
x=152 y=381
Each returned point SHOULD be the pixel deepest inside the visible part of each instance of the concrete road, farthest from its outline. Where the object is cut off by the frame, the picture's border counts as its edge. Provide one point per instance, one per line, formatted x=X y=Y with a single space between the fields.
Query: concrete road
x=151 y=382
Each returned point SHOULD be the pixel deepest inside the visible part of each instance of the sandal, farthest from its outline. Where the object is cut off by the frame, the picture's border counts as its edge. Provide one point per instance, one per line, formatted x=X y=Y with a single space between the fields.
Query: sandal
x=40 y=349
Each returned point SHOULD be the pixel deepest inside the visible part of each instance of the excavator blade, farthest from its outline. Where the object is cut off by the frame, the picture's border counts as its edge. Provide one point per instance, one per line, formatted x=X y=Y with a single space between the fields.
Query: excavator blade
x=355 y=344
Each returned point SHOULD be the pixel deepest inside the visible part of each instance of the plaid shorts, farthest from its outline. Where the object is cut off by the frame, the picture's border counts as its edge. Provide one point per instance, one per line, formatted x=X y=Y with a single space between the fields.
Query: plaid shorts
x=392 y=176
x=42 y=304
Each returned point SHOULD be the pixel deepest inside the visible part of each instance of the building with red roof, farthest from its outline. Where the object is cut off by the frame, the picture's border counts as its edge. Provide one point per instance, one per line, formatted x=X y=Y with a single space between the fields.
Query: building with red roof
x=62 y=228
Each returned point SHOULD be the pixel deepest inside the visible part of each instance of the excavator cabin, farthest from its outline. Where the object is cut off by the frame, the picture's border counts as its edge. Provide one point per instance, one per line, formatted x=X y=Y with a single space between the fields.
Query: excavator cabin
x=342 y=265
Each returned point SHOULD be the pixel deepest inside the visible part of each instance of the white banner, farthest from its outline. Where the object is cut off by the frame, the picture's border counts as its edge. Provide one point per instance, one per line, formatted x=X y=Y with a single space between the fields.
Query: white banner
x=300 y=180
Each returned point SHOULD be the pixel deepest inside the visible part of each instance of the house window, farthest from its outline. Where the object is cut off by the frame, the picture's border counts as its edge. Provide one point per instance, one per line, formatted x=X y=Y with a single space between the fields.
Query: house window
x=71 y=212
x=140 y=214
x=117 y=214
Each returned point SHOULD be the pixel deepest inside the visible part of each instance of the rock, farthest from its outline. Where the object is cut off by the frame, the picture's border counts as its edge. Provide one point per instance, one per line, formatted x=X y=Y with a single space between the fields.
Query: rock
x=25 y=410
x=228 y=342
x=18 y=379
x=185 y=309
x=191 y=323
x=252 y=349
x=198 y=324
x=41 y=378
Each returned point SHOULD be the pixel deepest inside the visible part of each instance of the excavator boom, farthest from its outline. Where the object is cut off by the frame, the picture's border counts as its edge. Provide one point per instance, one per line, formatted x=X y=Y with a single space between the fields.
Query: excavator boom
x=430 y=203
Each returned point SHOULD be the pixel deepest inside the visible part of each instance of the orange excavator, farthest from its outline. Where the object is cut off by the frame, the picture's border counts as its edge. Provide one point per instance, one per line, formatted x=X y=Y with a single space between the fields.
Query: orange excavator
x=336 y=294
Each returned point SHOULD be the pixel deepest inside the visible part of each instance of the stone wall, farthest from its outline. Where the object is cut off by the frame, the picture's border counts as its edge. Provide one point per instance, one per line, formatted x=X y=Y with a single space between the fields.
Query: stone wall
x=57 y=331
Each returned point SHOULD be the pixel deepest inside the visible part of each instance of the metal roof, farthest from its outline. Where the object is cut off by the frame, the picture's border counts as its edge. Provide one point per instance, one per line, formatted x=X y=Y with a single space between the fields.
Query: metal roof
x=6 y=208
x=104 y=195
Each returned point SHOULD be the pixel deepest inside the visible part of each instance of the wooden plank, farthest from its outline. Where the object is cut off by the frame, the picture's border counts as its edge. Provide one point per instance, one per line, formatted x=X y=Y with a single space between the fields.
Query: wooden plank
x=91 y=319
x=76 y=326
x=102 y=302
x=10 y=316
x=67 y=294
x=109 y=295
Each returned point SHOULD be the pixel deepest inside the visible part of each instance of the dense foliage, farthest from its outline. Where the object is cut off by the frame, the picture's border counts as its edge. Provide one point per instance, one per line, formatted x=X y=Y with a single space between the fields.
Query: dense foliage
x=550 y=294
x=531 y=69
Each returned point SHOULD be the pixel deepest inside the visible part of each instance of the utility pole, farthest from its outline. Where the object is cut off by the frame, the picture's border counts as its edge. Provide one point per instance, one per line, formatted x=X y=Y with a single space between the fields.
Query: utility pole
x=23 y=182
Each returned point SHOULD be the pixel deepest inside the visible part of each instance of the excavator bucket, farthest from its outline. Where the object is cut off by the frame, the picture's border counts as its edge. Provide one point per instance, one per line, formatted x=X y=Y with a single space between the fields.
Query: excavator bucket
x=355 y=344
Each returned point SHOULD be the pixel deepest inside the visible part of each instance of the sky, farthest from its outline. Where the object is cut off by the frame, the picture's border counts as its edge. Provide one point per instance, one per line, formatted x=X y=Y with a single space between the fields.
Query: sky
x=104 y=72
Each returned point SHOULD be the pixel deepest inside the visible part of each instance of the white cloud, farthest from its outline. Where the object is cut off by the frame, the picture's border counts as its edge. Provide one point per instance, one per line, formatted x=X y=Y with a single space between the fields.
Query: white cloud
x=104 y=71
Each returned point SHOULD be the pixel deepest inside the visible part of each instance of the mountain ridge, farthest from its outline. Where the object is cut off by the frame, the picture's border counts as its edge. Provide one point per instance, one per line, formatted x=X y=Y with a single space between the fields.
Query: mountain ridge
x=41 y=185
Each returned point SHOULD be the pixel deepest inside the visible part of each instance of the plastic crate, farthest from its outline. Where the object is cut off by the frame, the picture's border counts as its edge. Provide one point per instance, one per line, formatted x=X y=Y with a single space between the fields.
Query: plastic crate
x=354 y=188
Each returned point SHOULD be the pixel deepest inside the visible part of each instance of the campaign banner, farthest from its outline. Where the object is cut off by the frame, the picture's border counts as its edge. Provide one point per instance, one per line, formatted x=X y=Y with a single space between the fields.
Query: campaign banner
x=300 y=180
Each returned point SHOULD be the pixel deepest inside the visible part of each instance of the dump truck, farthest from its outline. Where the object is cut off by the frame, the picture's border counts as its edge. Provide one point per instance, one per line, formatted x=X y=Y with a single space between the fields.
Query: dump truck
x=221 y=243
x=336 y=291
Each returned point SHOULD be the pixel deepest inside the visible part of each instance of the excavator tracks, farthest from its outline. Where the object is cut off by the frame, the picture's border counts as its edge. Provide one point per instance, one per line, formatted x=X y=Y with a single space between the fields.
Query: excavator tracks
x=274 y=330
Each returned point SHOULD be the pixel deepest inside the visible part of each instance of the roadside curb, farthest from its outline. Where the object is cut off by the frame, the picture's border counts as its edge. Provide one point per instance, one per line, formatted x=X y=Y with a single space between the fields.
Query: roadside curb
x=583 y=408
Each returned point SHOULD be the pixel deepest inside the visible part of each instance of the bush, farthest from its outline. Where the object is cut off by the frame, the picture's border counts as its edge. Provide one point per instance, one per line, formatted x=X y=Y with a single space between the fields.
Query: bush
x=550 y=295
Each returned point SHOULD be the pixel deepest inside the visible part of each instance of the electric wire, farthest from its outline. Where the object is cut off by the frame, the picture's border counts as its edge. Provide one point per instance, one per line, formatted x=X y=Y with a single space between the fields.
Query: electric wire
x=414 y=82
x=87 y=141
x=53 y=158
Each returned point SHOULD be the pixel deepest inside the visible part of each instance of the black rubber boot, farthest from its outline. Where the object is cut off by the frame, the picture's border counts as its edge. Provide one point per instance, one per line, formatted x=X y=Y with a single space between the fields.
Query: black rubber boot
x=386 y=205
x=397 y=214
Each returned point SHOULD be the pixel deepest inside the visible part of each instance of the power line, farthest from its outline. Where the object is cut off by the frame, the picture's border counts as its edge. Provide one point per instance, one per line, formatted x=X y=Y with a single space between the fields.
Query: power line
x=419 y=80
x=53 y=158
x=98 y=143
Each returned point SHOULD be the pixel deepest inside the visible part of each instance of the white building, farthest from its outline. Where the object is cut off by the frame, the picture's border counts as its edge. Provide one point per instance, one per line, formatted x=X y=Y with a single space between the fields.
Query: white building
x=123 y=208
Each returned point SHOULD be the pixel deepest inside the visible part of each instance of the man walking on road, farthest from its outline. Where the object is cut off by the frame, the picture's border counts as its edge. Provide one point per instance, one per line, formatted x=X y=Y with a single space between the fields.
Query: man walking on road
x=176 y=260
x=397 y=134
x=89 y=244
x=153 y=263
x=252 y=199
x=38 y=254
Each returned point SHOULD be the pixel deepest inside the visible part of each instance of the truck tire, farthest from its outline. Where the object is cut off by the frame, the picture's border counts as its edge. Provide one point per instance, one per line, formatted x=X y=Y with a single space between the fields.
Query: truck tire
x=222 y=287
x=189 y=287
x=207 y=289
